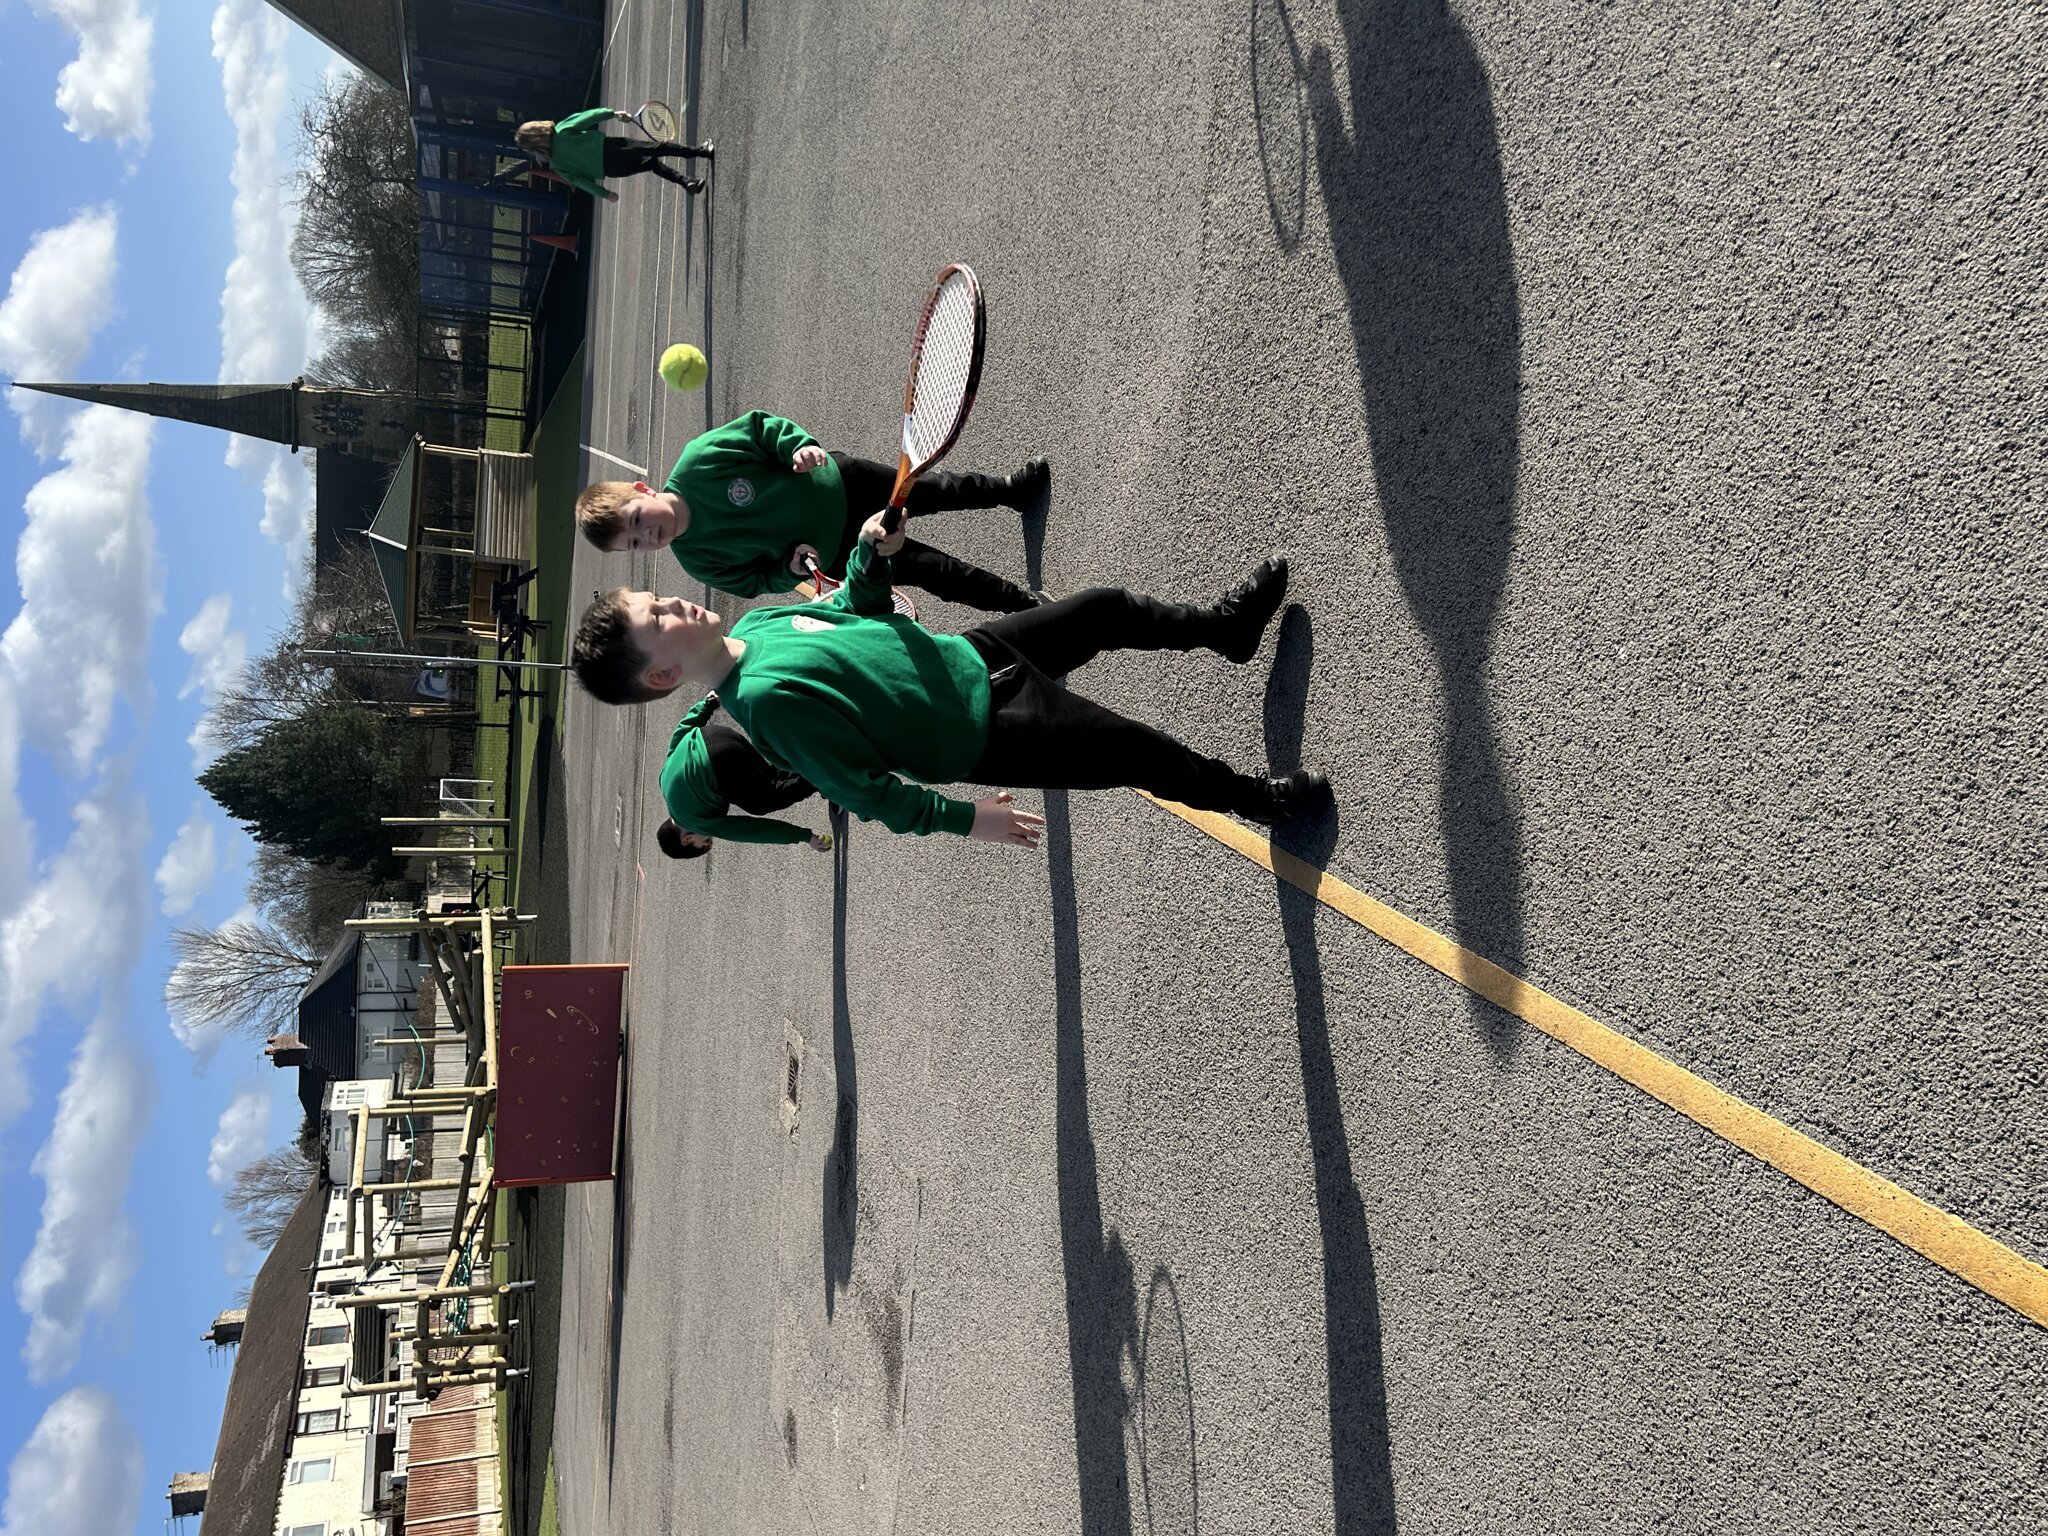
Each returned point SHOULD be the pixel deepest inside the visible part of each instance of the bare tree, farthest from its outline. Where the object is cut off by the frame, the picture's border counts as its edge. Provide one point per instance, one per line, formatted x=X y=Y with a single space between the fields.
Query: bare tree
x=356 y=249
x=263 y=1195
x=345 y=598
x=308 y=902
x=244 y=976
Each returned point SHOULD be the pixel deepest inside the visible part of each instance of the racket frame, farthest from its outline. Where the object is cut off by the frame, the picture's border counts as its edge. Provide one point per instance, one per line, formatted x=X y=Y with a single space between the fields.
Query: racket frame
x=906 y=471
x=637 y=119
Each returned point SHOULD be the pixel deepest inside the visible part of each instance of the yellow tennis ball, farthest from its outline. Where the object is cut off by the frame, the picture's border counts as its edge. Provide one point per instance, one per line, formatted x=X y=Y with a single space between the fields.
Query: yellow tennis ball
x=683 y=367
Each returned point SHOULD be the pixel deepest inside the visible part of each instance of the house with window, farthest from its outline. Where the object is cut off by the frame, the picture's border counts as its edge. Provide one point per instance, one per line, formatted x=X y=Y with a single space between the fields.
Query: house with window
x=360 y=1011
x=299 y=1454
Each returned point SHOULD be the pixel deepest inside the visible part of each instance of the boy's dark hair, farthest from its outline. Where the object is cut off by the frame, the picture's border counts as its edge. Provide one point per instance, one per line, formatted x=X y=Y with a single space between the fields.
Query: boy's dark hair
x=600 y=510
x=607 y=661
x=670 y=837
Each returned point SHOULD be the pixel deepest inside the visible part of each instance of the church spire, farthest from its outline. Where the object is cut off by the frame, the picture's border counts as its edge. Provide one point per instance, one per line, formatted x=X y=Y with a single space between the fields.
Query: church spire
x=266 y=411
x=374 y=424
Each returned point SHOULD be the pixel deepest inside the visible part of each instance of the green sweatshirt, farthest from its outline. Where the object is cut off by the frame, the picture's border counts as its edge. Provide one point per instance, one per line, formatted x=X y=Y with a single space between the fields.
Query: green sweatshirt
x=576 y=153
x=691 y=791
x=849 y=693
x=749 y=509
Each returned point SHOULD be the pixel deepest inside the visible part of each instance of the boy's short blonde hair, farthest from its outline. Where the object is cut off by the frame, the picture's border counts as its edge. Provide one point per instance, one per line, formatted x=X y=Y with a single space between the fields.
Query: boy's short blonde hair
x=536 y=137
x=600 y=510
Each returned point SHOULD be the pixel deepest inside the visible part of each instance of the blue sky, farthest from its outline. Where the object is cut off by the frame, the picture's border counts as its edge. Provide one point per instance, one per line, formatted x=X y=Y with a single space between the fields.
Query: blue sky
x=144 y=228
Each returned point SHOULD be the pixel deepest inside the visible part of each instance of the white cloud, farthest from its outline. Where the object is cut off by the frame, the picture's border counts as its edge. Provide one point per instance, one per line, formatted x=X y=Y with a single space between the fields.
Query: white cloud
x=89 y=585
x=218 y=654
x=59 y=297
x=265 y=320
x=287 y=501
x=80 y=1473
x=239 y=1138
x=85 y=1251
x=104 y=92
x=17 y=836
x=189 y=864
x=78 y=927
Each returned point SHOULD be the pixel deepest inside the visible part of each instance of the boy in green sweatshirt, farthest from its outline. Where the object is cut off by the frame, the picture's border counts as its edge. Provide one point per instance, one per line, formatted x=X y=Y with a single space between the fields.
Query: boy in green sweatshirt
x=747 y=502
x=849 y=695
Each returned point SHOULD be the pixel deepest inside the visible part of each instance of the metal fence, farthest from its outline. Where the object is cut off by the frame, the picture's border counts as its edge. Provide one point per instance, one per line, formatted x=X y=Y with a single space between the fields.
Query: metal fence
x=475 y=70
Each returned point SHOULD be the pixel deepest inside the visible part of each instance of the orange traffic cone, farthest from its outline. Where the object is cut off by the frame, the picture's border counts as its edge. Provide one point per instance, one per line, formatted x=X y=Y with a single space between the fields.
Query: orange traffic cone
x=559 y=242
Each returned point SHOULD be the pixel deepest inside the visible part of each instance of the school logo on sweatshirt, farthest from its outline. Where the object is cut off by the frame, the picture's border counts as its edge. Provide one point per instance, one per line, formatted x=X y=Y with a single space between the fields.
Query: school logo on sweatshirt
x=807 y=624
x=739 y=491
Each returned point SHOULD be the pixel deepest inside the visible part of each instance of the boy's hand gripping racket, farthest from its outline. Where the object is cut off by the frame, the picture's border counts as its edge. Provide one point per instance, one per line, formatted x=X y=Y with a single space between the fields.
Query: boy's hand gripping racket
x=823 y=586
x=945 y=369
x=657 y=120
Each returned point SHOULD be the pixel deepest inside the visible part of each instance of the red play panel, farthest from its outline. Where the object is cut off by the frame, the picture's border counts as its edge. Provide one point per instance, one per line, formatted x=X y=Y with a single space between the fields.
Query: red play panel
x=558 y=1072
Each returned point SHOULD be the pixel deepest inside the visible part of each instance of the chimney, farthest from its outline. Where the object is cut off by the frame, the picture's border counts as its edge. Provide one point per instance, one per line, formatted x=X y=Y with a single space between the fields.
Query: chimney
x=188 y=1493
x=287 y=1051
x=227 y=1328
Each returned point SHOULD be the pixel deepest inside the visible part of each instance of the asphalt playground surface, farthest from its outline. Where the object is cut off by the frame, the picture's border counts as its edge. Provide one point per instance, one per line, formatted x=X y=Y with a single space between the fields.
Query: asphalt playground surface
x=1649 y=398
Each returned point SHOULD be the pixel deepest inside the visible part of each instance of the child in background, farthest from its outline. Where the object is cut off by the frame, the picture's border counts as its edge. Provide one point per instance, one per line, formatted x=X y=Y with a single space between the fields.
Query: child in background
x=713 y=770
x=578 y=150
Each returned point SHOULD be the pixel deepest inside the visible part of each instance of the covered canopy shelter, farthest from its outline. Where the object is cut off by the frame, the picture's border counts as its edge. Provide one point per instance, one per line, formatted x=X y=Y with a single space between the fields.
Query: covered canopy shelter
x=453 y=524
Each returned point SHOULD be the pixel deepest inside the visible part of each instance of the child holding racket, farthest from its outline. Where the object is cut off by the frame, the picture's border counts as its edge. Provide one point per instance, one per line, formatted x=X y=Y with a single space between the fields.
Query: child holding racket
x=747 y=502
x=850 y=694
x=578 y=150
x=711 y=768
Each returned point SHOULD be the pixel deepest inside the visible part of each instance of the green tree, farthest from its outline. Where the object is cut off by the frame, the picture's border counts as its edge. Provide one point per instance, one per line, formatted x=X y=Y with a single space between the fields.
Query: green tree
x=316 y=783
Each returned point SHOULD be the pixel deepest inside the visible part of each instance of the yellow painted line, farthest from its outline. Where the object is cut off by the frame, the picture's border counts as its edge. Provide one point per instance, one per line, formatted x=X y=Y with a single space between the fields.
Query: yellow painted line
x=1949 y=1241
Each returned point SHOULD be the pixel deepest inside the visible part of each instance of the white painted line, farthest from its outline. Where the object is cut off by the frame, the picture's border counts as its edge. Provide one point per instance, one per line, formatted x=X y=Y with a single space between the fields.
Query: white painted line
x=609 y=458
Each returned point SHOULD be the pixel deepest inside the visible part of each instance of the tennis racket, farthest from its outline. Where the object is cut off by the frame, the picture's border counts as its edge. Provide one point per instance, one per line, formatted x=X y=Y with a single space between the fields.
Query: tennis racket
x=945 y=370
x=823 y=586
x=657 y=120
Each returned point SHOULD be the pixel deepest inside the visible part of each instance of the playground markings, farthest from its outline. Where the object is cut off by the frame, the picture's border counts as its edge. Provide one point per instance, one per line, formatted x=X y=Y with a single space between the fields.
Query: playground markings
x=612 y=458
x=1958 y=1247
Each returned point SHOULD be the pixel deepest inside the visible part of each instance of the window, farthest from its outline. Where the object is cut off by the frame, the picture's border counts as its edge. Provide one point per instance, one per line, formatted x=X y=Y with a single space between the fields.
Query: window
x=311 y=1471
x=331 y=1333
x=322 y=1376
x=306 y=1530
x=319 y=1421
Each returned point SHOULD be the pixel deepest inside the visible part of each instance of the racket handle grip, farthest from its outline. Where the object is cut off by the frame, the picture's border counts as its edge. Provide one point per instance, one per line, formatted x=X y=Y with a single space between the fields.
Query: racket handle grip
x=892 y=518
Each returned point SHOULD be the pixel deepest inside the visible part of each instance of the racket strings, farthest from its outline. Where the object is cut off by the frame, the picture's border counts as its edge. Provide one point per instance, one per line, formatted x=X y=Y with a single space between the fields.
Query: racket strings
x=945 y=363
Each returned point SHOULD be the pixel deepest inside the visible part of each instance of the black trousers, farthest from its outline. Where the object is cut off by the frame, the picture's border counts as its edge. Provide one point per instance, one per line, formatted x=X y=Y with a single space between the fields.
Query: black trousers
x=629 y=157
x=1042 y=736
x=919 y=564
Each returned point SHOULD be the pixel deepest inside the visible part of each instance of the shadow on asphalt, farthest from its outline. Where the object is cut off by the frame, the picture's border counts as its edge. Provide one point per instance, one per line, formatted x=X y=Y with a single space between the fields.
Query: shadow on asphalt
x=840 y=1201
x=538 y=1215
x=1419 y=225
x=1361 y=1475
x=1101 y=1300
x=1166 y=1415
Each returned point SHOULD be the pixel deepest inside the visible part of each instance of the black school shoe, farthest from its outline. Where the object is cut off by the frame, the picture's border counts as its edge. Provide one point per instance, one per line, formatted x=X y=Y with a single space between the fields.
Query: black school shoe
x=1026 y=489
x=1291 y=797
x=1248 y=608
